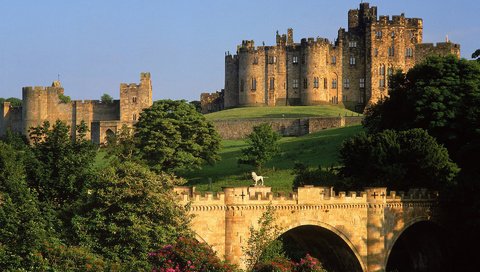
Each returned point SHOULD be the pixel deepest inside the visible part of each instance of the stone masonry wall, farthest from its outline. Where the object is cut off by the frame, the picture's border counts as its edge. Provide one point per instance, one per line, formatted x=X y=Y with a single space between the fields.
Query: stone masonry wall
x=238 y=129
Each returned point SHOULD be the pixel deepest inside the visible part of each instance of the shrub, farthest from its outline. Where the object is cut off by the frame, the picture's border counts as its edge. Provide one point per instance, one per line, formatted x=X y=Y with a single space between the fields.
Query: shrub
x=64 y=98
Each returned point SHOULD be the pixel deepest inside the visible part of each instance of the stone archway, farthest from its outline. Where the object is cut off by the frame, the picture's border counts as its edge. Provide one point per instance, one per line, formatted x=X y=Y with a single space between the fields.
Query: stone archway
x=422 y=246
x=109 y=134
x=323 y=242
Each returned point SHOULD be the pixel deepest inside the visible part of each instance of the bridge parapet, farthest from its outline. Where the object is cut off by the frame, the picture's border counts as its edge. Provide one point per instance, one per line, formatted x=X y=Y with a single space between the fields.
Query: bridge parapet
x=306 y=195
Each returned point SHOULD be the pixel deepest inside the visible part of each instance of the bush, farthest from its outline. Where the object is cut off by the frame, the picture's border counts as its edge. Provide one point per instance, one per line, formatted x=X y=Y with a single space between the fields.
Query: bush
x=187 y=255
x=106 y=98
x=64 y=98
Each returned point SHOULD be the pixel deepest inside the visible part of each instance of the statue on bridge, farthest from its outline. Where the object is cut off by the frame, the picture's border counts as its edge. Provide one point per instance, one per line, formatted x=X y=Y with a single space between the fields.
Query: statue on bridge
x=257 y=178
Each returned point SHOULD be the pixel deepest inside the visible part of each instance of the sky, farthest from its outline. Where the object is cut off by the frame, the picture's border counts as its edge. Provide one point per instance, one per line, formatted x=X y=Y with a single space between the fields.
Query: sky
x=94 y=45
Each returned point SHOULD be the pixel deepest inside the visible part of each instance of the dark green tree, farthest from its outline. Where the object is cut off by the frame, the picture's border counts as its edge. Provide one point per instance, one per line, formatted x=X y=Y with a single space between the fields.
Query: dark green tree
x=441 y=95
x=15 y=102
x=399 y=160
x=197 y=104
x=61 y=164
x=22 y=227
x=476 y=55
x=172 y=135
x=129 y=211
x=262 y=146
x=121 y=145
x=106 y=98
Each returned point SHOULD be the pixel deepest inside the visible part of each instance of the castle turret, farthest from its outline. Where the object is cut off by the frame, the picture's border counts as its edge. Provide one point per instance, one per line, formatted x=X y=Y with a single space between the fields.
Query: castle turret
x=231 y=81
x=134 y=98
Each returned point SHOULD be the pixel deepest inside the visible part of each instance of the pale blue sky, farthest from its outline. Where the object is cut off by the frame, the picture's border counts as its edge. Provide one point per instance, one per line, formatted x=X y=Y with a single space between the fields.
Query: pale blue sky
x=96 y=45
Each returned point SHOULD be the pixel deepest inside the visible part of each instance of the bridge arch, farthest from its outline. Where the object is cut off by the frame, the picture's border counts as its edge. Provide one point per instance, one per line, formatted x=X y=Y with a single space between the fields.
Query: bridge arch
x=335 y=235
x=424 y=234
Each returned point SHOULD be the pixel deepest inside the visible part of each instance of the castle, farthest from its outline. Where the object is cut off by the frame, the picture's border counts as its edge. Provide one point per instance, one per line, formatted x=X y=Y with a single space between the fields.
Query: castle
x=352 y=71
x=41 y=104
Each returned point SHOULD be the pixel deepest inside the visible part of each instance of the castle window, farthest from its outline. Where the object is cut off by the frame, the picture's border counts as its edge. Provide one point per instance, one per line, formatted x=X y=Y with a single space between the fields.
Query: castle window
x=393 y=34
x=375 y=52
x=295 y=60
x=305 y=83
x=381 y=70
x=325 y=83
x=334 y=83
x=315 y=82
x=352 y=60
x=346 y=83
x=134 y=117
x=409 y=52
x=134 y=99
x=390 y=71
x=352 y=44
x=295 y=84
x=255 y=60
x=242 y=84
x=272 y=59
x=272 y=83
x=362 y=83
x=254 y=84
x=381 y=83
x=378 y=34
x=391 y=51
x=334 y=59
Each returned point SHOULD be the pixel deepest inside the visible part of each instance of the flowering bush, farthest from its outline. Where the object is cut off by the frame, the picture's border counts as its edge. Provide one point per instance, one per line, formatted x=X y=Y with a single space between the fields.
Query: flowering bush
x=187 y=255
x=309 y=264
x=283 y=264
x=279 y=264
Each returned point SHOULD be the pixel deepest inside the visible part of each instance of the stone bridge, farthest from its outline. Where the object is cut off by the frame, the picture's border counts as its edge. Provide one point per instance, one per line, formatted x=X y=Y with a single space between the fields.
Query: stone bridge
x=372 y=230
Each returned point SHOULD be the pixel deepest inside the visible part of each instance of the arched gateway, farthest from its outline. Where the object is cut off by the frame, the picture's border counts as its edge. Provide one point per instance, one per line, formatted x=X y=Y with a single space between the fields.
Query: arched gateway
x=354 y=232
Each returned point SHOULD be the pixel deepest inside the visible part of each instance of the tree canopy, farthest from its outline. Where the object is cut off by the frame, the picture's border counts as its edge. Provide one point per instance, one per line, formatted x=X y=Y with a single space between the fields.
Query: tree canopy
x=171 y=135
x=262 y=146
x=399 y=160
x=441 y=95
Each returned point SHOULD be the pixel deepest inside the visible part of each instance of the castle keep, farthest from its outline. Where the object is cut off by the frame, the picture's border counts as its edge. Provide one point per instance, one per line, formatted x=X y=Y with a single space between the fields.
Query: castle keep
x=41 y=104
x=352 y=71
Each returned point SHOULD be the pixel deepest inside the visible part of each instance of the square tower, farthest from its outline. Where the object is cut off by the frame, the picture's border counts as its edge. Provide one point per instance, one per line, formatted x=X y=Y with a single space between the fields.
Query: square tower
x=134 y=98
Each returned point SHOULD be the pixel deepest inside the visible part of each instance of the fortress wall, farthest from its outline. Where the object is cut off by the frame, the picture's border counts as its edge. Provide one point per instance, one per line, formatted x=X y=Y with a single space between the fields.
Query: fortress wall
x=10 y=118
x=422 y=51
x=239 y=129
x=106 y=111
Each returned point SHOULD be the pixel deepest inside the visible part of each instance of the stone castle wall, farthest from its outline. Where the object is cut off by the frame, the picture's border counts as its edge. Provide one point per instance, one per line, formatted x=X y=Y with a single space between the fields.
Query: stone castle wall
x=352 y=71
x=239 y=129
x=40 y=104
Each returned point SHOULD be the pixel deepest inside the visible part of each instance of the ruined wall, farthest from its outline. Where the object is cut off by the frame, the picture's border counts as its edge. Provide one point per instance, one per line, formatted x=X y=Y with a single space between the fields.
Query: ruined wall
x=212 y=102
x=239 y=129
x=10 y=118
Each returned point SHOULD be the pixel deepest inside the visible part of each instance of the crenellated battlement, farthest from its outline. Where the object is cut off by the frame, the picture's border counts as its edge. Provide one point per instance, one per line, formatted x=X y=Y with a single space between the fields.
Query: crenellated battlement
x=307 y=195
x=312 y=42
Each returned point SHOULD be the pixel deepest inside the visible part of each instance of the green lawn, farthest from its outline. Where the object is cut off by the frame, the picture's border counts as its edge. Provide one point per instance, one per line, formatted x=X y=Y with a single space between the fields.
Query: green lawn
x=280 y=112
x=315 y=149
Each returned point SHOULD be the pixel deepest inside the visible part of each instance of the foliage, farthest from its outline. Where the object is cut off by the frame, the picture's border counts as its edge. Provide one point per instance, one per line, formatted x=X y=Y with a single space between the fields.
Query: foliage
x=197 y=105
x=22 y=228
x=14 y=102
x=262 y=146
x=122 y=145
x=278 y=264
x=261 y=238
x=173 y=135
x=476 y=55
x=187 y=255
x=441 y=95
x=309 y=264
x=129 y=211
x=60 y=166
x=64 y=98
x=318 y=177
x=106 y=98
x=399 y=160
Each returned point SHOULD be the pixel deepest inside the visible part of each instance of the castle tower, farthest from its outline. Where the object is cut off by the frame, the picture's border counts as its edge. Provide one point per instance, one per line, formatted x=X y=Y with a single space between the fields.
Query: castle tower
x=134 y=98
x=231 y=81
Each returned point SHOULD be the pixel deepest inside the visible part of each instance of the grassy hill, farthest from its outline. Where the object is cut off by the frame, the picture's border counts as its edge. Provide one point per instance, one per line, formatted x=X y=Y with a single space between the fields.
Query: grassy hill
x=280 y=112
x=315 y=149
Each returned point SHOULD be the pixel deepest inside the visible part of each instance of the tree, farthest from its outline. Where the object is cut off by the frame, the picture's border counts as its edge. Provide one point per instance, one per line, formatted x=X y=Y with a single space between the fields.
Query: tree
x=399 y=160
x=172 y=135
x=15 y=102
x=441 y=95
x=262 y=146
x=476 y=55
x=61 y=165
x=129 y=211
x=122 y=145
x=106 y=98
x=260 y=244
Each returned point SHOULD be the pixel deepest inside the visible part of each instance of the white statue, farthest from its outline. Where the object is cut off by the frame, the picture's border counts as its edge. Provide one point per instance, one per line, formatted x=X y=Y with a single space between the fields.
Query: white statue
x=257 y=178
